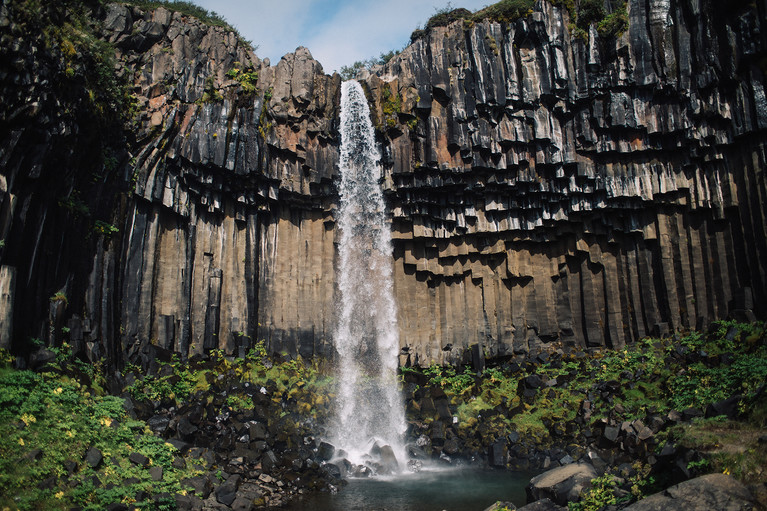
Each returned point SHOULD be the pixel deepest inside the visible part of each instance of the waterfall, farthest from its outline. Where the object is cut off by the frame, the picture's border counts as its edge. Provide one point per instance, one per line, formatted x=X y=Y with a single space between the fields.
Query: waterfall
x=369 y=407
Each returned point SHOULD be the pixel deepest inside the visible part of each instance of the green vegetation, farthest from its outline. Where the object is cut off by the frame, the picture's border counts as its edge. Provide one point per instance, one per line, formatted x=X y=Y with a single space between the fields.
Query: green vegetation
x=653 y=376
x=294 y=378
x=50 y=420
x=104 y=229
x=210 y=94
x=391 y=106
x=593 y=11
x=507 y=11
x=504 y=11
x=211 y=18
x=349 y=72
x=85 y=64
x=60 y=297
x=246 y=76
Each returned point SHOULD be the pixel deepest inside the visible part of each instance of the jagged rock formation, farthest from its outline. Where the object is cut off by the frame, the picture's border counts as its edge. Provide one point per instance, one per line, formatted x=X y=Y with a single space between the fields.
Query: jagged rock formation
x=542 y=188
x=547 y=188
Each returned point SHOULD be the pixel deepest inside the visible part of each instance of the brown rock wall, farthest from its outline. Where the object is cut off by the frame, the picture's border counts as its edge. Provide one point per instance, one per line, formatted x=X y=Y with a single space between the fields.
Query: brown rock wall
x=542 y=188
x=586 y=191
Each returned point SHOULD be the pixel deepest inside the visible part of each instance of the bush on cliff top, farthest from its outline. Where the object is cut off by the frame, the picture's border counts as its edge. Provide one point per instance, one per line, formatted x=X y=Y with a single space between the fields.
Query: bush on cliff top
x=582 y=16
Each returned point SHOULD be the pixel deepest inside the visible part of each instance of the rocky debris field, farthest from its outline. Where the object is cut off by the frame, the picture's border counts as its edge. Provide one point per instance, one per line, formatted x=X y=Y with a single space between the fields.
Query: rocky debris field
x=603 y=428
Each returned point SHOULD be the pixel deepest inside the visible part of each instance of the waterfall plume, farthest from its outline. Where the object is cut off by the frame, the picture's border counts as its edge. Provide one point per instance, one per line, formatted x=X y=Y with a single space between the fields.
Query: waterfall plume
x=369 y=407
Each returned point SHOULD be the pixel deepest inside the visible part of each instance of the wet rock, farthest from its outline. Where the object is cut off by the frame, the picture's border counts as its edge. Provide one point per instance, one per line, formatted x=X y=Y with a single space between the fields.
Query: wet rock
x=325 y=451
x=713 y=491
x=496 y=455
x=542 y=505
x=414 y=465
x=388 y=460
x=561 y=484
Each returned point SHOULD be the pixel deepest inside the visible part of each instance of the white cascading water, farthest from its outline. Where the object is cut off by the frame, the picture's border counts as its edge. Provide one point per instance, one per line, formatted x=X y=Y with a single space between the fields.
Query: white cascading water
x=369 y=407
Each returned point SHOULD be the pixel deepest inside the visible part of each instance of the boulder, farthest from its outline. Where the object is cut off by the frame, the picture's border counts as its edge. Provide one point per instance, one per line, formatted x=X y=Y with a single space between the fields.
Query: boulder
x=541 y=505
x=325 y=451
x=138 y=459
x=562 y=484
x=93 y=457
x=501 y=506
x=713 y=491
x=227 y=492
x=389 y=462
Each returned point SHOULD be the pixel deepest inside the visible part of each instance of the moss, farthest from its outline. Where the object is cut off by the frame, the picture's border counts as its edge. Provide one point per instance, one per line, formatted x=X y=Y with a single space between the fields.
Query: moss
x=210 y=93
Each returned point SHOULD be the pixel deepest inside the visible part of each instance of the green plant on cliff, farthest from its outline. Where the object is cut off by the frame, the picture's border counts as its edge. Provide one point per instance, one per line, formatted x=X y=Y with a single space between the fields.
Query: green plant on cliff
x=350 y=72
x=246 y=76
x=210 y=93
x=391 y=106
x=186 y=8
x=582 y=15
x=505 y=11
x=104 y=229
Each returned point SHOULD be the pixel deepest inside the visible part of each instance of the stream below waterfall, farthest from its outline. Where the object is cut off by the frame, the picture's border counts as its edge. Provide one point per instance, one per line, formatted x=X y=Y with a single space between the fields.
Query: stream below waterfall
x=452 y=489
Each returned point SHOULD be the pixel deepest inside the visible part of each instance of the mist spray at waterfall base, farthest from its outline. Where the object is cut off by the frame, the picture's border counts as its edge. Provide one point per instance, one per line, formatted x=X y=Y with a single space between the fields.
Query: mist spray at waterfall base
x=369 y=409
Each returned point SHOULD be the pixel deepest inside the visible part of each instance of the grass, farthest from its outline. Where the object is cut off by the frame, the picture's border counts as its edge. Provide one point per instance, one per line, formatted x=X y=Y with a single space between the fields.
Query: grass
x=49 y=420
x=729 y=446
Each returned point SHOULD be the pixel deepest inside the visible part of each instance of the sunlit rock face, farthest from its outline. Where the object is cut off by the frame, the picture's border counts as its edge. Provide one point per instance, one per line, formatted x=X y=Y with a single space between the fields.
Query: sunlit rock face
x=541 y=188
x=545 y=188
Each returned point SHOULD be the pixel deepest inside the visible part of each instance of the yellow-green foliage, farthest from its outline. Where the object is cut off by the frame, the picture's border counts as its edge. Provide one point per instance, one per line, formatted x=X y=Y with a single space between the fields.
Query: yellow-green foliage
x=391 y=106
x=210 y=93
x=246 y=76
x=48 y=420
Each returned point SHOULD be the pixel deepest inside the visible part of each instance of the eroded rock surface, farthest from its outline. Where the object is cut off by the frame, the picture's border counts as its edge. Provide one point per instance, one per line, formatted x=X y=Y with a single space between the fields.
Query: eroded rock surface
x=713 y=491
x=542 y=188
x=548 y=188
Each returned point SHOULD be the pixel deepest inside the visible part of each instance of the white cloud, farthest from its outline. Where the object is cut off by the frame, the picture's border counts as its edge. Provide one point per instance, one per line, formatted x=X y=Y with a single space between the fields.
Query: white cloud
x=337 y=32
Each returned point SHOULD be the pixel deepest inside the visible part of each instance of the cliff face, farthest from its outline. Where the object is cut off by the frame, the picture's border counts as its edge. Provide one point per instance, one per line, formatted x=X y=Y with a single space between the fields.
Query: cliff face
x=592 y=192
x=542 y=188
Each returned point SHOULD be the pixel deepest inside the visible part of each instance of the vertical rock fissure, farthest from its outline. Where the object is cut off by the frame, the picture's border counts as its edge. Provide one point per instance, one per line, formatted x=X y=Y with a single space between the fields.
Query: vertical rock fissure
x=369 y=409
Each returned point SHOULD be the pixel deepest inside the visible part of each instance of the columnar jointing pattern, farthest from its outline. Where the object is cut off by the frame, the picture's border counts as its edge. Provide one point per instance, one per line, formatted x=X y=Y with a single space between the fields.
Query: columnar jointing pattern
x=369 y=407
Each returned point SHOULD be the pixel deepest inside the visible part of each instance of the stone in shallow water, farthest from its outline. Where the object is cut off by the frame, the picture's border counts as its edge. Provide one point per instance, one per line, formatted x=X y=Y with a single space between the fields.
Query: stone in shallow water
x=388 y=460
x=414 y=465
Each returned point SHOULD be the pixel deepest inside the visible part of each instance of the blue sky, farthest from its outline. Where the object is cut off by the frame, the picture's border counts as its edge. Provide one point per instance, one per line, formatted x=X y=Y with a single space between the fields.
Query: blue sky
x=337 y=32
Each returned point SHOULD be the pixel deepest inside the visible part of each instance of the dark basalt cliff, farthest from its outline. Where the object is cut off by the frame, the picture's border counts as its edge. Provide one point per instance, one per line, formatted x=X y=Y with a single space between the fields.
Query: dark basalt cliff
x=542 y=188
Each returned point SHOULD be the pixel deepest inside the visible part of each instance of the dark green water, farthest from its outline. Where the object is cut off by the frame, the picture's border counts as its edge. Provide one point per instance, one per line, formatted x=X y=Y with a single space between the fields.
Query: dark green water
x=450 y=490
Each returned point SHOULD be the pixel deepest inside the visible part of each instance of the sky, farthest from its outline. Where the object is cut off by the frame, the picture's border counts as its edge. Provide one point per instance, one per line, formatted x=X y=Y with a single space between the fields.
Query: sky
x=337 y=32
